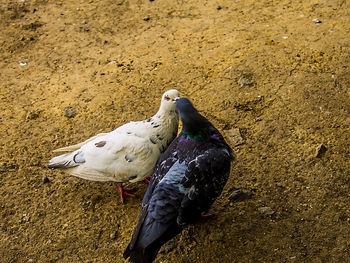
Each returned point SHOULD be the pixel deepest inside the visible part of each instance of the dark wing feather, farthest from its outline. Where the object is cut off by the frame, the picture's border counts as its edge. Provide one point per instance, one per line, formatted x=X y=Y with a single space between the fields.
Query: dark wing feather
x=217 y=138
x=167 y=159
x=206 y=176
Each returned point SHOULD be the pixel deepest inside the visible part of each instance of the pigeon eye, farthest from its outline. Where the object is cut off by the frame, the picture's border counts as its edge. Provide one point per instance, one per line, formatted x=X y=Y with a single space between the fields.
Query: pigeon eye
x=167 y=98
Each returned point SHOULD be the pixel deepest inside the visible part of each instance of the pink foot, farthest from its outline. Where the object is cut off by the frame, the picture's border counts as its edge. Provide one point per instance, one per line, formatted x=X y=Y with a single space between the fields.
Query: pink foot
x=148 y=179
x=204 y=216
x=124 y=192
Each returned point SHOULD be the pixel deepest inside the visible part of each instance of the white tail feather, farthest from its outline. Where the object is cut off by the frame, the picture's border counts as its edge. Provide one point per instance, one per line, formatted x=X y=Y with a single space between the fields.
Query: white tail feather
x=72 y=148
x=63 y=161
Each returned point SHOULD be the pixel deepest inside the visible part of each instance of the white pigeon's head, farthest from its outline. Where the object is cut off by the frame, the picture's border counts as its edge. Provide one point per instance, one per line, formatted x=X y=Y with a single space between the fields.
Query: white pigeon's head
x=169 y=99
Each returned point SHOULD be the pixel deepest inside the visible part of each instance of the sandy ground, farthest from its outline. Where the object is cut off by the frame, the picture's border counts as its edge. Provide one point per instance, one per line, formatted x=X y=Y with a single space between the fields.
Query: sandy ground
x=276 y=70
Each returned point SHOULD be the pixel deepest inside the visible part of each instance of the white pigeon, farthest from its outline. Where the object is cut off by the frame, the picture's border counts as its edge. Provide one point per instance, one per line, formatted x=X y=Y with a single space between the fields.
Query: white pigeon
x=126 y=154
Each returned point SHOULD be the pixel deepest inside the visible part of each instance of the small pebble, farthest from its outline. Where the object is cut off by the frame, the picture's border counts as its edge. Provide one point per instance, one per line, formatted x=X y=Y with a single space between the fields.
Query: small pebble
x=239 y=195
x=46 y=180
x=266 y=210
x=241 y=213
x=32 y=115
x=114 y=235
x=234 y=135
x=86 y=205
x=8 y=167
x=316 y=21
x=217 y=236
x=25 y=218
x=227 y=70
x=321 y=149
x=347 y=122
x=246 y=80
x=70 y=112
x=94 y=219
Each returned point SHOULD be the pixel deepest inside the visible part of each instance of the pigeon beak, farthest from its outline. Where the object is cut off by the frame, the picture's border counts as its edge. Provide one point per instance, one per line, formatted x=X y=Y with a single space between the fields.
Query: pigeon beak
x=175 y=99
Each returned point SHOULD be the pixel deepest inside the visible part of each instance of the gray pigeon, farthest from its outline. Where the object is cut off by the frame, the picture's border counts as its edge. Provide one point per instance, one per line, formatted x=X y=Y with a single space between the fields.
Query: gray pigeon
x=188 y=178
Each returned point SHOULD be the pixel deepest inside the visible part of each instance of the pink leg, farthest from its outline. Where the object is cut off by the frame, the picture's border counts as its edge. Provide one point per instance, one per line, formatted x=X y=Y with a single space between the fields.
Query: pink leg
x=124 y=192
x=148 y=179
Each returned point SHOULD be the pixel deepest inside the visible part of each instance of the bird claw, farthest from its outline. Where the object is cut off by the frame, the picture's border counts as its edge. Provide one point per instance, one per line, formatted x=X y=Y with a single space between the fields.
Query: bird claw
x=125 y=192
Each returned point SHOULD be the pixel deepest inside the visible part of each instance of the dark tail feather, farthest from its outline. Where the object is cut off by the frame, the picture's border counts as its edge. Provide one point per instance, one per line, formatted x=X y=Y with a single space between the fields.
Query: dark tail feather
x=139 y=255
x=145 y=250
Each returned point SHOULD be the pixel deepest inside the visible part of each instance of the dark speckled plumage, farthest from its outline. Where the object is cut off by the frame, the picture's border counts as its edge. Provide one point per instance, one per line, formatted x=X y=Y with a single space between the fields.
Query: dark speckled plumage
x=188 y=178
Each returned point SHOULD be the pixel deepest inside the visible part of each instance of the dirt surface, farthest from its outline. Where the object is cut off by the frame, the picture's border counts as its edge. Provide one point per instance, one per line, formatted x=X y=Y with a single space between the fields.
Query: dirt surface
x=276 y=70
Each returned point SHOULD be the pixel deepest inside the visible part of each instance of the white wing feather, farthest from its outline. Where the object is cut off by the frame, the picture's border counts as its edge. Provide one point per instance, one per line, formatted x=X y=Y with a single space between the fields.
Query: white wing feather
x=72 y=148
x=118 y=160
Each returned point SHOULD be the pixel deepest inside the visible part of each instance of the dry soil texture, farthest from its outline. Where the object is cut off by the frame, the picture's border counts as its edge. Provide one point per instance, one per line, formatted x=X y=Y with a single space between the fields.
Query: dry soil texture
x=277 y=70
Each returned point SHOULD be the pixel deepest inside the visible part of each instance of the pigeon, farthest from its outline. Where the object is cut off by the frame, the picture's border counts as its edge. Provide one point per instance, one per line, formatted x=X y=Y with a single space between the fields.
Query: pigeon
x=126 y=154
x=189 y=176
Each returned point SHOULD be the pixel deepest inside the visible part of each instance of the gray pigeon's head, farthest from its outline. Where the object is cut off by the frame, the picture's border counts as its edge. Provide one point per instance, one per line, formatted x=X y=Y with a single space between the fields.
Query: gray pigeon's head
x=192 y=121
x=169 y=98
x=185 y=106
